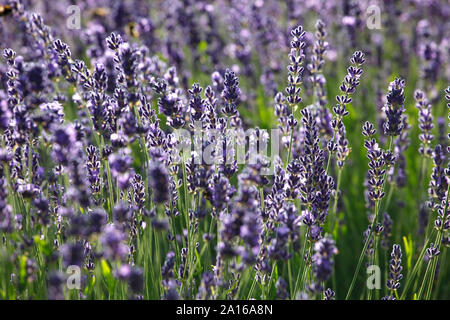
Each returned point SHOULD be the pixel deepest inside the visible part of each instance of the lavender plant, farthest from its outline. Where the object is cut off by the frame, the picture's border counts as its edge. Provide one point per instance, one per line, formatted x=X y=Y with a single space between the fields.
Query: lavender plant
x=157 y=151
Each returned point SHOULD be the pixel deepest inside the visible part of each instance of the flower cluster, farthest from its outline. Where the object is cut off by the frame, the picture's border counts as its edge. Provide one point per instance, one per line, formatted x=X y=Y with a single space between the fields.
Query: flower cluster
x=425 y=123
x=324 y=251
x=315 y=185
x=395 y=269
x=339 y=142
x=394 y=108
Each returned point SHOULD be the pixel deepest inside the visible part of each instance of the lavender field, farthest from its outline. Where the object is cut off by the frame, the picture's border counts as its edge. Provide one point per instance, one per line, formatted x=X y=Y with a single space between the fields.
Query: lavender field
x=224 y=149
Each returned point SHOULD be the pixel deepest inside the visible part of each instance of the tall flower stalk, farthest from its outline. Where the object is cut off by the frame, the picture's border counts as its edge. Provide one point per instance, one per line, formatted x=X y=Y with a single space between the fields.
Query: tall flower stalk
x=381 y=161
x=339 y=143
x=395 y=272
x=295 y=69
x=439 y=201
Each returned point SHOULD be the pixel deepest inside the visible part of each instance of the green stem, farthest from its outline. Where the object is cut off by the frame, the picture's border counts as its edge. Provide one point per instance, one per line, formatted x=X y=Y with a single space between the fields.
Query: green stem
x=330 y=154
x=302 y=259
x=374 y=262
x=442 y=273
x=425 y=279
x=290 y=278
x=252 y=288
x=375 y=219
x=267 y=289
x=290 y=148
x=438 y=243
x=411 y=275
x=332 y=215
